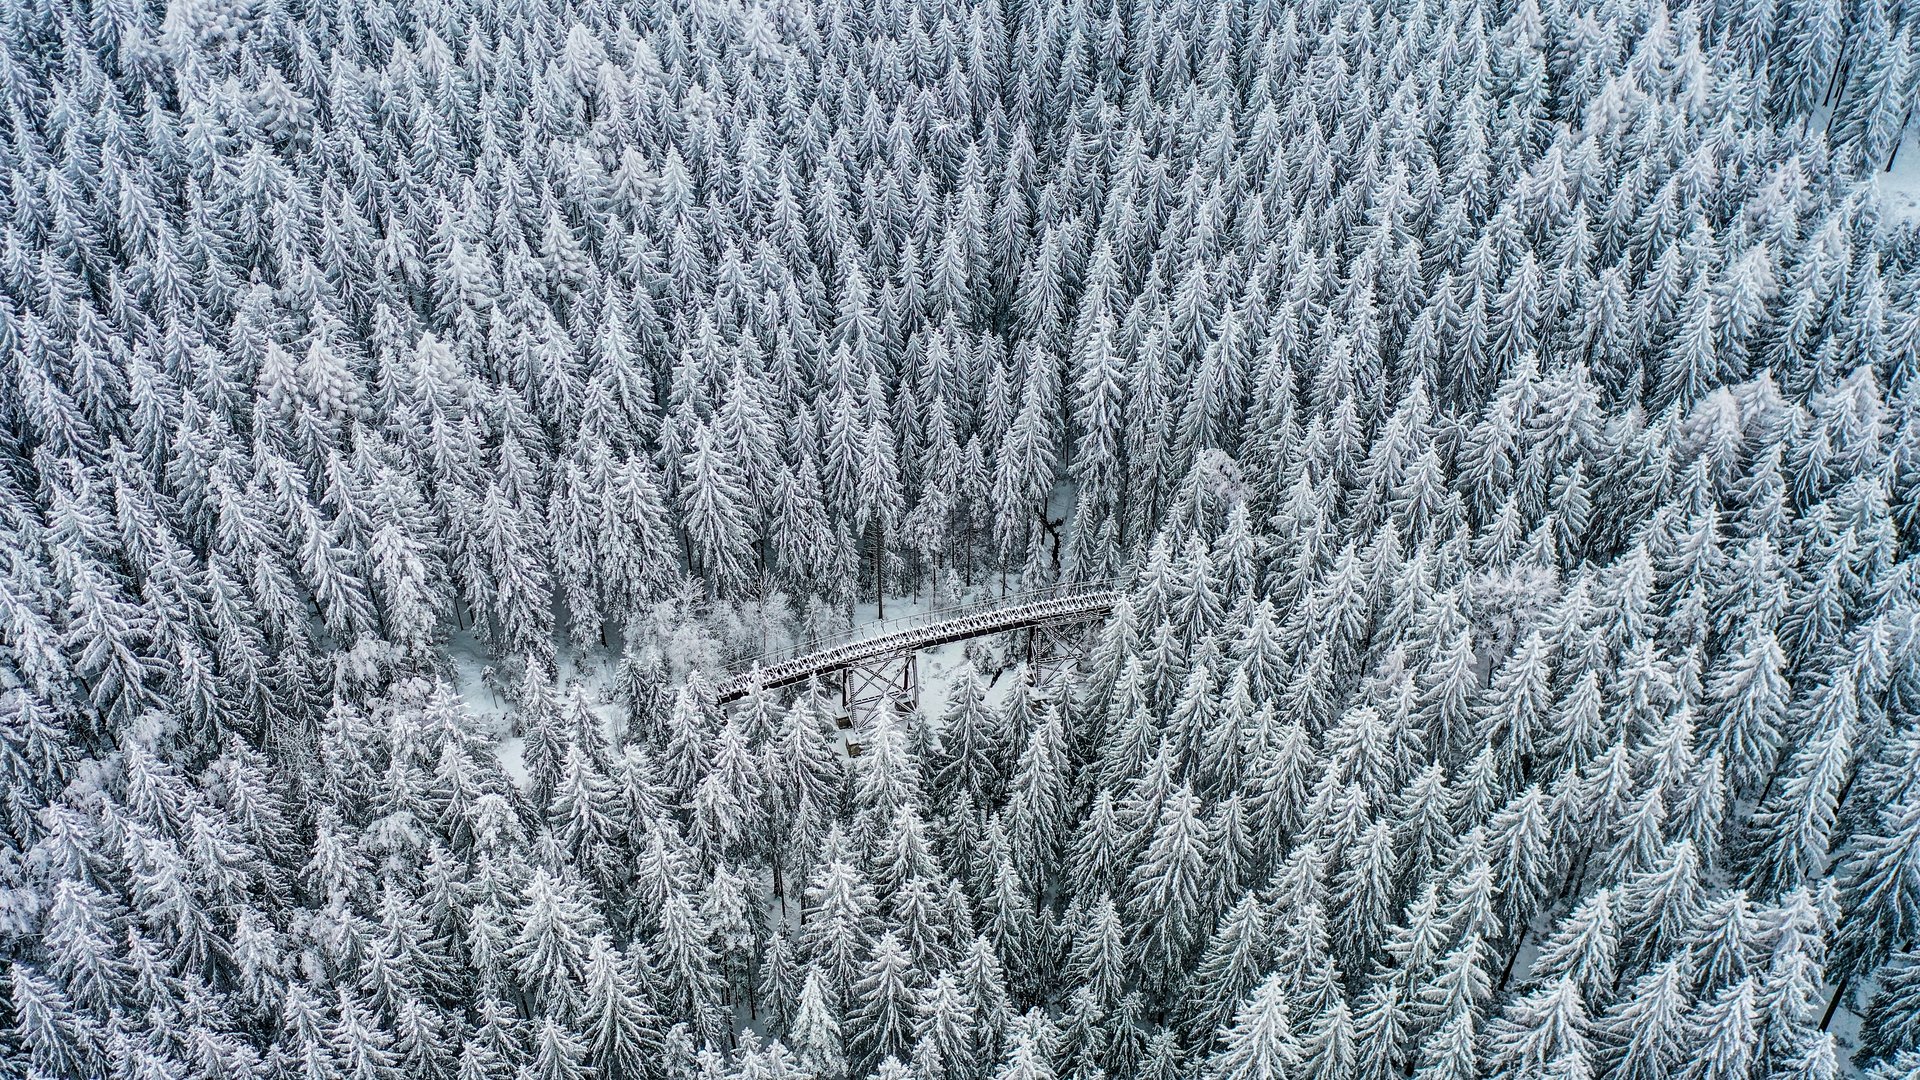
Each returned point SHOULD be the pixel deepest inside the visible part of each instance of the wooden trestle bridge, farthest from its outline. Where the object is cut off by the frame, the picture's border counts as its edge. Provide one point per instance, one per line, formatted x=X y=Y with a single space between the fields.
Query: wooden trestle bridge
x=877 y=663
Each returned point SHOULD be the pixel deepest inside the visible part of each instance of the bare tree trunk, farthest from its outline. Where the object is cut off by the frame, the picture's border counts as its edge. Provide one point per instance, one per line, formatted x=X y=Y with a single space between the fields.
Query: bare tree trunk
x=1833 y=1004
x=1507 y=972
x=1836 y=87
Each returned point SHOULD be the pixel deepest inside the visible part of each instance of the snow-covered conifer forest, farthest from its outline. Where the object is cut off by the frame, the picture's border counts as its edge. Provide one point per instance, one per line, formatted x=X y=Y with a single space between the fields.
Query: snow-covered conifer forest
x=1502 y=418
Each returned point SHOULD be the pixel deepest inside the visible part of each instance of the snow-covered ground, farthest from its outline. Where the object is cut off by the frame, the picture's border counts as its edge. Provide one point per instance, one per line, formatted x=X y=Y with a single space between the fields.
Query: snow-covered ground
x=1900 y=186
x=486 y=686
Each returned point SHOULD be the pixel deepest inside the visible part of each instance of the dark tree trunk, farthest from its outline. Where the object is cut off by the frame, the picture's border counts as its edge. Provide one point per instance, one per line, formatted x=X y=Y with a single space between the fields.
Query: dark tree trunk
x=1833 y=1004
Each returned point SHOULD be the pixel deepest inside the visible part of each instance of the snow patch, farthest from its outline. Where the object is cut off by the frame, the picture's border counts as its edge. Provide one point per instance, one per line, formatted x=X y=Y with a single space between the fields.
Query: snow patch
x=485 y=686
x=1899 y=187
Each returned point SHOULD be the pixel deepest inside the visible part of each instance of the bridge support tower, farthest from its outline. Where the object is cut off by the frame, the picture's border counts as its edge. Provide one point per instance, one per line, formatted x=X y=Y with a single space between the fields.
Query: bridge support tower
x=891 y=680
x=1050 y=648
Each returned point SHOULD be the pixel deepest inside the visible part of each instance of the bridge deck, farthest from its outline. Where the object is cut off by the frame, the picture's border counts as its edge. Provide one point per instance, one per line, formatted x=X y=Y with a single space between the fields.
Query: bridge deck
x=919 y=632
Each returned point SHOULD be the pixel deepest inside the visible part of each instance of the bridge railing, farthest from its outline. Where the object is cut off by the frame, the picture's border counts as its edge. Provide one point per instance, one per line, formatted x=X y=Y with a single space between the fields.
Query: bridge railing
x=874 y=631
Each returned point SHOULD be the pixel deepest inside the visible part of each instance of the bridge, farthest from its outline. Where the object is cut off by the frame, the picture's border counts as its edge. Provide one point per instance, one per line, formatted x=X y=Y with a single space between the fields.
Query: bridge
x=877 y=659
